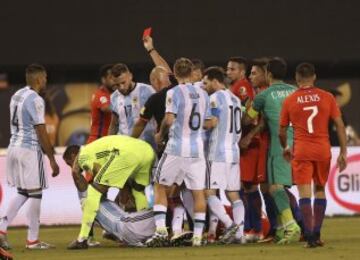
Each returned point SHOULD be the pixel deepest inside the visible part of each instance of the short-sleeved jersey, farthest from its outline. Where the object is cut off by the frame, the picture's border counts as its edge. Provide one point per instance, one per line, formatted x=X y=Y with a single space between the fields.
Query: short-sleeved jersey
x=243 y=90
x=269 y=102
x=128 y=107
x=191 y=107
x=225 y=136
x=309 y=110
x=27 y=109
x=100 y=120
x=101 y=150
x=155 y=107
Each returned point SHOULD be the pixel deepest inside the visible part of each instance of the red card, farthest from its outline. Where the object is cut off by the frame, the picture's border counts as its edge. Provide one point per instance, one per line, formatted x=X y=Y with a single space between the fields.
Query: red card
x=147 y=32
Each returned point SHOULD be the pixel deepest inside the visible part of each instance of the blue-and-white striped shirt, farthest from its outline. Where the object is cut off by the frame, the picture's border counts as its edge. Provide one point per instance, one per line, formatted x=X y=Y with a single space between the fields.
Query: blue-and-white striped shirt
x=27 y=109
x=128 y=110
x=191 y=106
x=225 y=136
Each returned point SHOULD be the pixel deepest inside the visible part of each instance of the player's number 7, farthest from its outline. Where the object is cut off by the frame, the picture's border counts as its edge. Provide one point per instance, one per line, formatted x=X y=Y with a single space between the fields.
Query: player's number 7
x=314 y=112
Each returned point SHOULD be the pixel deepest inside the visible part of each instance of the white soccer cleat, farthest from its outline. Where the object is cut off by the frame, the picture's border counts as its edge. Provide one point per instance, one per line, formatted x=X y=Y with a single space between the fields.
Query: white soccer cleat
x=38 y=245
x=196 y=241
x=92 y=242
x=159 y=239
x=229 y=234
x=181 y=239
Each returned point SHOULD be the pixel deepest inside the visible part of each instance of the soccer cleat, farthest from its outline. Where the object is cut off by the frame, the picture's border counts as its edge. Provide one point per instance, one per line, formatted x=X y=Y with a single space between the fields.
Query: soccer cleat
x=181 y=239
x=318 y=240
x=292 y=234
x=92 y=242
x=279 y=234
x=38 y=245
x=76 y=245
x=4 y=242
x=5 y=255
x=159 y=239
x=239 y=241
x=229 y=234
x=197 y=241
x=211 y=238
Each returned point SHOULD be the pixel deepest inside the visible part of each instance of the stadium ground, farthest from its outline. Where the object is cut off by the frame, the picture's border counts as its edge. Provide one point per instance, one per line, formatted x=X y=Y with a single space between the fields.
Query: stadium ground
x=342 y=237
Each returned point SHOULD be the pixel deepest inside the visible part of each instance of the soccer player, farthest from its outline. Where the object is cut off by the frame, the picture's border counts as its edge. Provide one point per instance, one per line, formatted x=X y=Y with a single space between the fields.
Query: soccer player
x=187 y=108
x=224 y=153
x=100 y=105
x=112 y=160
x=309 y=109
x=198 y=70
x=126 y=103
x=269 y=103
x=24 y=163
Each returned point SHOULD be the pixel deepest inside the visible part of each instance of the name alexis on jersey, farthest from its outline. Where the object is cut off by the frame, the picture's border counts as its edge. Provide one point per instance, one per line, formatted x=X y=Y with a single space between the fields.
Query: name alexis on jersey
x=308 y=98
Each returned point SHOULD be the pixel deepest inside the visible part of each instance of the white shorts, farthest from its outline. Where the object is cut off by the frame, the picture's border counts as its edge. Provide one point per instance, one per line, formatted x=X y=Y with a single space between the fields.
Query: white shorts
x=25 y=169
x=224 y=176
x=175 y=169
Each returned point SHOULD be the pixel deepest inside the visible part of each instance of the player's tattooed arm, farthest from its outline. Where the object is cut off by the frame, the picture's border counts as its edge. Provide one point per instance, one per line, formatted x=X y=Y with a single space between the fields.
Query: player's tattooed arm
x=114 y=124
x=78 y=178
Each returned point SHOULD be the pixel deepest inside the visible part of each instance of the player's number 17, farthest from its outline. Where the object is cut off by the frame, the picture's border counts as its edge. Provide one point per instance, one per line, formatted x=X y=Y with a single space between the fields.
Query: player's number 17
x=314 y=111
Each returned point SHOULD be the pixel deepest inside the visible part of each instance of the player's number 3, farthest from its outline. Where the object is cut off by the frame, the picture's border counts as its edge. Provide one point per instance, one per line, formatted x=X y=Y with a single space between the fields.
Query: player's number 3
x=314 y=111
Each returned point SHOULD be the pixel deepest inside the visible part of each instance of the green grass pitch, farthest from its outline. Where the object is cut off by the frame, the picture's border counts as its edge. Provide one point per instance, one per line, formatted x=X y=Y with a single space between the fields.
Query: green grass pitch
x=342 y=237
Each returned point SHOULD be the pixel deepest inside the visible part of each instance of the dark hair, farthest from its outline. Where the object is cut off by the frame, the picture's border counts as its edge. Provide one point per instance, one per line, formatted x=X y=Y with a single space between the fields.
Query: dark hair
x=215 y=72
x=198 y=65
x=70 y=150
x=277 y=67
x=105 y=70
x=119 y=69
x=240 y=60
x=305 y=70
x=34 y=68
x=261 y=63
x=183 y=68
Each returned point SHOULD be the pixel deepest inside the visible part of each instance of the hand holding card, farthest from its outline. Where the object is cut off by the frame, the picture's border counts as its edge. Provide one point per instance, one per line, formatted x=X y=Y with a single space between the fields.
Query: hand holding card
x=147 y=32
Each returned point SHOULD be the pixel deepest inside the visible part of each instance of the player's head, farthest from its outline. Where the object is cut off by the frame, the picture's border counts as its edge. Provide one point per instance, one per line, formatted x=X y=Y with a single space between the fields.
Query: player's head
x=70 y=154
x=236 y=68
x=122 y=78
x=276 y=69
x=214 y=79
x=106 y=77
x=198 y=70
x=159 y=78
x=305 y=74
x=36 y=76
x=183 y=68
x=257 y=74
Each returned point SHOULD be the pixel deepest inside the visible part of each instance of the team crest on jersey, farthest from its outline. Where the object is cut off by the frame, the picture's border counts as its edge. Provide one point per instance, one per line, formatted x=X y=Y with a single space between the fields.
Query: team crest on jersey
x=242 y=91
x=103 y=100
x=135 y=100
x=213 y=104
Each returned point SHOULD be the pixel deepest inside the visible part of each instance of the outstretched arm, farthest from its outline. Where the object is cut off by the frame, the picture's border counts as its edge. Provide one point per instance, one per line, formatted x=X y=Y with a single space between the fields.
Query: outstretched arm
x=155 y=56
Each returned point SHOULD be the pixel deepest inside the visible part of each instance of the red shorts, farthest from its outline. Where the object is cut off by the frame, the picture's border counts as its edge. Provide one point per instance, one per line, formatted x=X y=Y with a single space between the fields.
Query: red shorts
x=253 y=165
x=304 y=172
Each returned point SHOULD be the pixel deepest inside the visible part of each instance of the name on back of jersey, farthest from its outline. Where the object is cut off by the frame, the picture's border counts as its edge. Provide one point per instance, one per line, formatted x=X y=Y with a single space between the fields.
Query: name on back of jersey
x=308 y=98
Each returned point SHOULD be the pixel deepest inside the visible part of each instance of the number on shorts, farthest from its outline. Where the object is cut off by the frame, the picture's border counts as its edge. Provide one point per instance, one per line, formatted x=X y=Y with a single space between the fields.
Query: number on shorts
x=310 y=119
x=194 y=115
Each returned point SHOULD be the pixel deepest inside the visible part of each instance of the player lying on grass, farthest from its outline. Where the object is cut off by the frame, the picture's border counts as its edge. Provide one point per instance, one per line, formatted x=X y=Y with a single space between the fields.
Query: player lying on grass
x=113 y=161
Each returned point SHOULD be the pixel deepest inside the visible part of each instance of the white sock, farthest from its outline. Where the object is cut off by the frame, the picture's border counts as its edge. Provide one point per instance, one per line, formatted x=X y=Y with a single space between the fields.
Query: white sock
x=160 y=216
x=239 y=214
x=188 y=202
x=218 y=209
x=213 y=223
x=199 y=223
x=33 y=215
x=14 y=206
x=178 y=219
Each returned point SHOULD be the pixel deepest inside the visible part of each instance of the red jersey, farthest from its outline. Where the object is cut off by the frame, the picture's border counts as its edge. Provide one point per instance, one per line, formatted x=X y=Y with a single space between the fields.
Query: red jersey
x=309 y=111
x=100 y=120
x=243 y=90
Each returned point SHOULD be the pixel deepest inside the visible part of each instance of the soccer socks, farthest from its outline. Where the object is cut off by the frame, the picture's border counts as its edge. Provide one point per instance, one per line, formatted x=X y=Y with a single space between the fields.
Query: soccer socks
x=307 y=213
x=188 y=201
x=319 y=213
x=218 y=209
x=271 y=211
x=199 y=223
x=160 y=217
x=14 y=207
x=178 y=219
x=295 y=208
x=282 y=204
x=33 y=215
x=247 y=219
x=213 y=223
x=239 y=214
x=255 y=210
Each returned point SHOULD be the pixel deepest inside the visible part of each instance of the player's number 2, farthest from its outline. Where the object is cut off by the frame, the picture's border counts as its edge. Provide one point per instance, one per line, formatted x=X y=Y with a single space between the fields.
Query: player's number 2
x=314 y=111
x=194 y=116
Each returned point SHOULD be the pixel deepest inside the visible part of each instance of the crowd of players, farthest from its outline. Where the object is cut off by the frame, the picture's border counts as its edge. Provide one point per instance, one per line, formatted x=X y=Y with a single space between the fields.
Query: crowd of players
x=206 y=131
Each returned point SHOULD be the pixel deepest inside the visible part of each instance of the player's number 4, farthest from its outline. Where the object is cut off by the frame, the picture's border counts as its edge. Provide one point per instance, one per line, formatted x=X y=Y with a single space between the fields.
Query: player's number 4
x=314 y=111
